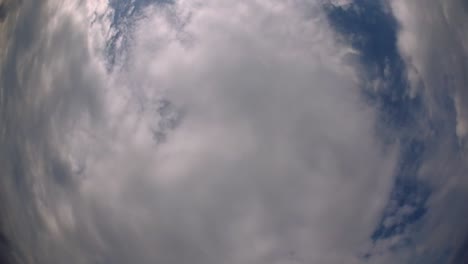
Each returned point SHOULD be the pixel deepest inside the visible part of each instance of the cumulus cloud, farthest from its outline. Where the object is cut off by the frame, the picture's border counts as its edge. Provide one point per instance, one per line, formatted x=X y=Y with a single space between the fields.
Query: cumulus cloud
x=234 y=133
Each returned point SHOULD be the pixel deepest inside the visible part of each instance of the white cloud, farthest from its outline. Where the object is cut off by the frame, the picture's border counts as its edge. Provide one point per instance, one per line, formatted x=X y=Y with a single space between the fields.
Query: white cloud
x=275 y=152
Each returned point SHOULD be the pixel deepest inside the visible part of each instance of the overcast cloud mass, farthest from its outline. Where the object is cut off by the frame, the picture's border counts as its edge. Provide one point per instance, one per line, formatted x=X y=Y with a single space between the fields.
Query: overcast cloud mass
x=222 y=131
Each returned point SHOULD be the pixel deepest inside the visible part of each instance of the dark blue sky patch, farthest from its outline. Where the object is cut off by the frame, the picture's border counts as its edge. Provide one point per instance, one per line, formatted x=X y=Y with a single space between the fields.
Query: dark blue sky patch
x=407 y=203
x=373 y=32
x=123 y=17
x=368 y=28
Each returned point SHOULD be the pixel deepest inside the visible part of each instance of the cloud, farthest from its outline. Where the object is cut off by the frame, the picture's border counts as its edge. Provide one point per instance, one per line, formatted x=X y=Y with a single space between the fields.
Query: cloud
x=437 y=60
x=48 y=83
x=433 y=42
x=269 y=153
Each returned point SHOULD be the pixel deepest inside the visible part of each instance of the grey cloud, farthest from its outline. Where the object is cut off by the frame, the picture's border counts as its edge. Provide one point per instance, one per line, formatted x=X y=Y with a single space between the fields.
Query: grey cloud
x=47 y=85
x=275 y=153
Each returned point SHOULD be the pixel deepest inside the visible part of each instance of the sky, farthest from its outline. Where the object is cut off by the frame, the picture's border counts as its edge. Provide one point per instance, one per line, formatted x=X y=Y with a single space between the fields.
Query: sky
x=189 y=131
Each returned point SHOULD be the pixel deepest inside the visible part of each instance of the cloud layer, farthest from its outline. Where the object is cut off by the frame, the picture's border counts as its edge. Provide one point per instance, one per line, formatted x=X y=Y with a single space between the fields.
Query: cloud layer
x=232 y=132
